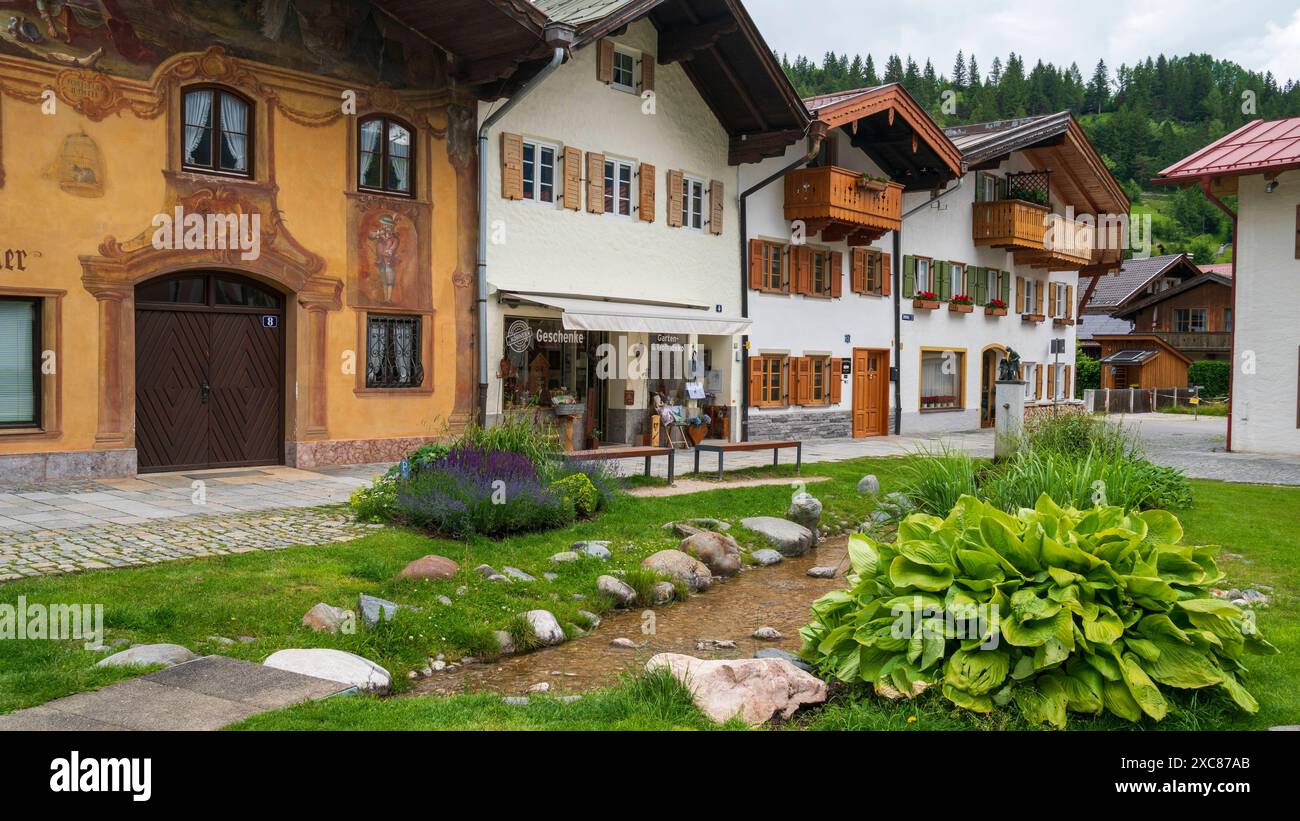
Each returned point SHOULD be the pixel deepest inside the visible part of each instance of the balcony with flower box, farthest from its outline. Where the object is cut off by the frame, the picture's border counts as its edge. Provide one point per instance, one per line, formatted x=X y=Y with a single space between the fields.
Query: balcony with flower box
x=843 y=205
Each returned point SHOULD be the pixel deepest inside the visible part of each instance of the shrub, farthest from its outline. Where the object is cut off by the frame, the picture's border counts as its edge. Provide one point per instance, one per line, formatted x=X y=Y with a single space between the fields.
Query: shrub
x=1077 y=435
x=935 y=481
x=1211 y=375
x=579 y=490
x=1053 y=609
x=374 y=503
x=1087 y=372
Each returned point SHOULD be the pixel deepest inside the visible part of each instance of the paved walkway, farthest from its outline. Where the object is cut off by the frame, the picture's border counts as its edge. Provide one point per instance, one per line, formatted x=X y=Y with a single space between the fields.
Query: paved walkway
x=205 y=694
x=1198 y=447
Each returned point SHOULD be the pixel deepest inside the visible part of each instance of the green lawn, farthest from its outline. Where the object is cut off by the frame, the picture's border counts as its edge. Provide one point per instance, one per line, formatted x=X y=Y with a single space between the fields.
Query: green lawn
x=265 y=594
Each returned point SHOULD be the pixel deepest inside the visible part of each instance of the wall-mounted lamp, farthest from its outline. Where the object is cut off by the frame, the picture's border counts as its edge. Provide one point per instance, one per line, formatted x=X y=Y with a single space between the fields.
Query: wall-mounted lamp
x=1270 y=186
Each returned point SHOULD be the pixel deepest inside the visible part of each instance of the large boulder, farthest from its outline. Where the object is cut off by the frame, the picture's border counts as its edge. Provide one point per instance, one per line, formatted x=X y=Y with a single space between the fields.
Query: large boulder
x=753 y=689
x=806 y=510
x=143 y=654
x=719 y=552
x=545 y=626
x=778 y=653
x=787 y=537
x=684 y=568
x=617 y=589
x=334 y=665
x=430 y=568
x=325 y=618
x=594 y=549
x=869 y=485
x=766 y=556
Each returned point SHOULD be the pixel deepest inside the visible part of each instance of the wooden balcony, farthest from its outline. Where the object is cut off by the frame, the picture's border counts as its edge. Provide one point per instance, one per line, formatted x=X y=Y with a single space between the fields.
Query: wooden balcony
x=1197 y=340
x=1024 y=228
x=840 y=204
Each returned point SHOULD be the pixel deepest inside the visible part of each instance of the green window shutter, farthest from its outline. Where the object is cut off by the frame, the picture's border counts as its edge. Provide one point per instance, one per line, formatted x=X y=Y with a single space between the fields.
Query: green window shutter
x=1001 y=187
x=17 y=366
x=909 y=277
x=1006 y=287
x=976 y=277
x=942 y=287
x=979 y=186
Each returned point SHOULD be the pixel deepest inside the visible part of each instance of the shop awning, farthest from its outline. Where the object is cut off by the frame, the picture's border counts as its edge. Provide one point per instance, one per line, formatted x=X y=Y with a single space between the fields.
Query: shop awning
x=614 y=315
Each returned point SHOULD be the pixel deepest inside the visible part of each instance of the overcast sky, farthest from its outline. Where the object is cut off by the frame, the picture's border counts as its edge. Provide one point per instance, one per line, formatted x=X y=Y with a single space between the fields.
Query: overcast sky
x=1261 y=35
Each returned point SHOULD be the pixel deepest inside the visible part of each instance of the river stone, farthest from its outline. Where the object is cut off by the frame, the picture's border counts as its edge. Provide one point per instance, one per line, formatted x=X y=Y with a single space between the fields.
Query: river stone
x=719 y=552
x=677 y=565
x=869 y=485
x=821 y=572
x=430 y=568
x=593 y=621
x=142 y=654
x=324 y=618
x=789 y=538
x=517 y=574
x=545 y=627
x=766 y=556
x=334 y=665
x=662 y=593
x=806 y=510
x=505 y=641
x=753 y=689
x=715 y=644
x=625 y=644
x=767 y=634
x=516 y=701
x=374 y=609
x=596 y=550
x=540 y=687
x=565 y=557
x=778 y=653
x=620 y=591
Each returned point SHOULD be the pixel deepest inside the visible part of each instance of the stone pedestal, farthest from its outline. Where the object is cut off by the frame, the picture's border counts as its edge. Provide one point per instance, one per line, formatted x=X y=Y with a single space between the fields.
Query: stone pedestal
x=1009 y=417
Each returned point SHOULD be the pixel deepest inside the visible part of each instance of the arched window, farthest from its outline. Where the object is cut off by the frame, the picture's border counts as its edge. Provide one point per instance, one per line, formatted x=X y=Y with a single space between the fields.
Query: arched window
x=385 y=156
x=216 y=133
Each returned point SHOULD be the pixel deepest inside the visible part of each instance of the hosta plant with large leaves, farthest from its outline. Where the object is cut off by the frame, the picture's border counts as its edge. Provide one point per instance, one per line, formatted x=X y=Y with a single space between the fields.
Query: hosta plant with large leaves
x=1052 y=609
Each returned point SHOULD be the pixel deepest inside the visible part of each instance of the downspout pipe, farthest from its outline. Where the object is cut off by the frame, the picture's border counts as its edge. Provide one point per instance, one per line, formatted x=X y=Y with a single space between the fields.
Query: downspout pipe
x=816 y=133
x=897 y=276
x=560 y=39
x=1232 y=338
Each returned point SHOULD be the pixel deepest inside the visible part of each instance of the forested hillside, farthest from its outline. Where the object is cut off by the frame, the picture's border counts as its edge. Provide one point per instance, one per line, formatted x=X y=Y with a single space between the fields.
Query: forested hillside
x=1142 y=117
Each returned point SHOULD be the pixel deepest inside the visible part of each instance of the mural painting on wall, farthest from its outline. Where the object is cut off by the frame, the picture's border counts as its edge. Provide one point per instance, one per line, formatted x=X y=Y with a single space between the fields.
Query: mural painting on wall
x=348 y=39
x=385 y=256
x=78 y=169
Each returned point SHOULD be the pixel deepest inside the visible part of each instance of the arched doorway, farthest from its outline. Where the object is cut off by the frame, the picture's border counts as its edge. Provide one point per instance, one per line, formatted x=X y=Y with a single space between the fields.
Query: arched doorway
x=209 y=372
x=989 y=362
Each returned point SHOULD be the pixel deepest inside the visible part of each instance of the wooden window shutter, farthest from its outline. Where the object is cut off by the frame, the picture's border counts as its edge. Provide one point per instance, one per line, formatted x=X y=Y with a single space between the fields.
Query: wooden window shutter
x=715 y=207
x=572 y=178
x=801 y=380
x=834 y=380
x=1051 y=382
x=647 y=179
x=757 y=263
x=1038 y=299
x=605 y=62
x=675 y=199
x=755 y=380
x=512 y=166
x=595 y=182
x=886 y=274
x=979 y=186
x=909 y=276
x=1069 y=302
x=1005 y=282
x=837 y=274
x=1068 y=391
x=1020 y=295
x=1038 y=382
x=801 y=259
x=858 y=270
x=647 y=72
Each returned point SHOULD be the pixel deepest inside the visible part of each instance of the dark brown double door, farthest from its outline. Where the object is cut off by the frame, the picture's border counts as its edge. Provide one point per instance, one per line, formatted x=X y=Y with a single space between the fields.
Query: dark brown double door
x=209 y=368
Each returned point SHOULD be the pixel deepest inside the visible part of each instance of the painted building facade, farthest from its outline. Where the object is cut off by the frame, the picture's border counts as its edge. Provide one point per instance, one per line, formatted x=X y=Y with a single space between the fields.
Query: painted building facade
x=228 y=244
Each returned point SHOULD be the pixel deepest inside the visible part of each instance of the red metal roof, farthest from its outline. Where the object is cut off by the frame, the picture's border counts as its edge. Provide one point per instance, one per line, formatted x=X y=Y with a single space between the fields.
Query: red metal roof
x=1258 y=146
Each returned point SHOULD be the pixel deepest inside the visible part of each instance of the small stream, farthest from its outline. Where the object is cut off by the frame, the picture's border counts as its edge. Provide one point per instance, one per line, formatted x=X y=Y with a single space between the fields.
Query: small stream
x=776 y=596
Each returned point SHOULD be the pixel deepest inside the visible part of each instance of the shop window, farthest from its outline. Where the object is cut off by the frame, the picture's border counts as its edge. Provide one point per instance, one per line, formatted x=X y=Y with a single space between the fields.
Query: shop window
x=941 y=379
x=20 y=370
x=216 y=133
x=393 y=352
x=385 y=157
x=543 y=364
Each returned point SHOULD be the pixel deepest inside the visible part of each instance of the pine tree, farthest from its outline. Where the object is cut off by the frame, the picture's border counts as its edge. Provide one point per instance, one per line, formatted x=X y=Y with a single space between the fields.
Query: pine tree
x=872 y=78
x=959 y=72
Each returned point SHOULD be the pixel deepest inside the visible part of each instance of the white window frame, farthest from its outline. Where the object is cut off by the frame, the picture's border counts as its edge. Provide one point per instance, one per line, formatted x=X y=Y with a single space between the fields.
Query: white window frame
x=990 y=188
x=1031 y=379
x=634 y=57
x=956 y=278
x=923 y=275
x=538 y=146
x=1030 y=297
x=1058 y=382
x=690 y=186
x=993 y=284
x=618 y=163
x=1058 y=300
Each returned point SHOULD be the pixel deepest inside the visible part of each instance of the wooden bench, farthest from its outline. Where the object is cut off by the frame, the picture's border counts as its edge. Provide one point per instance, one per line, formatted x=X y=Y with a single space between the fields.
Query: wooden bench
x=775 y=445
x=631 y=452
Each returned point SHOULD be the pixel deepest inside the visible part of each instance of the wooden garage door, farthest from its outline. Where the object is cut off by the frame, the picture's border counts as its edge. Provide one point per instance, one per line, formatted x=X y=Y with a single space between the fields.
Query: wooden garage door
x=209 y=373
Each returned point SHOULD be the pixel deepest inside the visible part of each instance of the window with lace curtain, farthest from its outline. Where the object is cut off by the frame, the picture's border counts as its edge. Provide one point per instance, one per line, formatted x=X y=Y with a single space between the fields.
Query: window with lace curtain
x=393 y=352
x=385 y=156
x=216 y=131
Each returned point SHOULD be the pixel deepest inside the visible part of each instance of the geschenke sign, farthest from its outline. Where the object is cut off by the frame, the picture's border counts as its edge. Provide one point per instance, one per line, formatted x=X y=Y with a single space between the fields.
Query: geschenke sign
x=520 y=336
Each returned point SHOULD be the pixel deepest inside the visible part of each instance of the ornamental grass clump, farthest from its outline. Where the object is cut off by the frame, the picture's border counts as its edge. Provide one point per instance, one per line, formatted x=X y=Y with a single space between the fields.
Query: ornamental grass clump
x=1055 y=610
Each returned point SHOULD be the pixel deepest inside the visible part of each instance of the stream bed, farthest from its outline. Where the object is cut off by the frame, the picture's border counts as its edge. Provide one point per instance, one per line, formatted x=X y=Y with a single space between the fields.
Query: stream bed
x=776 y=596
